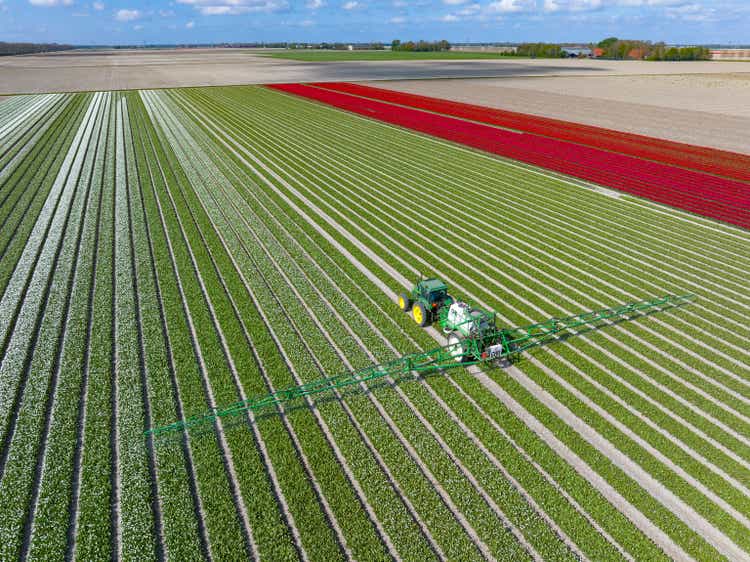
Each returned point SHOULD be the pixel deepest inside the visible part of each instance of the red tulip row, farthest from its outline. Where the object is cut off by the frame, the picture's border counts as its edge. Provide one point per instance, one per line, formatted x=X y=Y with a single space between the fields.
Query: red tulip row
x=719 y=198
x=713 y=161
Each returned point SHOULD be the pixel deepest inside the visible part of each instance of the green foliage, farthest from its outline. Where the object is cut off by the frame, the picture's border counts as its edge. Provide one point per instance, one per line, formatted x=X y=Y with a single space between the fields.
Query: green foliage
x=420 y=46
x=615 y=48
x=186 y=274
x=539 y=50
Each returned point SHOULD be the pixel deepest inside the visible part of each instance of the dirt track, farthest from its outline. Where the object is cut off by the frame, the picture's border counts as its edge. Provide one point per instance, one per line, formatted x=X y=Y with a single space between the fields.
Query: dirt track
x=709 y=110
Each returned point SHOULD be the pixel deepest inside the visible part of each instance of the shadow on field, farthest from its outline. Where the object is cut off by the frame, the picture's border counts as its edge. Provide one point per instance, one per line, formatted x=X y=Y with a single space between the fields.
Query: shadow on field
x=389 y=70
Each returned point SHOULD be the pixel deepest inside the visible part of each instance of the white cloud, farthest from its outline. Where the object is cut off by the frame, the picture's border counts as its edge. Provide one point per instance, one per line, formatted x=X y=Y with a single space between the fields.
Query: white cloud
x=166 y=13
x=449 y=18
x=98 y=6
x=315 y=4
x=397 y=20
x=137 y=27
x=511 y=6
x=190 y=25
x=235 y=7
x=50 y=3
x=351 y=5
x=470 y=9
x=454 y=2
x=127 y=15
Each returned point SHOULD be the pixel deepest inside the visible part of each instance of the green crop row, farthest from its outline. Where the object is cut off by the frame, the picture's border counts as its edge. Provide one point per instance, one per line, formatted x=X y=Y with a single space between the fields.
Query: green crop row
x=37 y=371
x=152 y=275
x=426 y=165
x=398 y=459
x=382 y=226
x=483 y=223
x=13 y=153
x=299 y=317
x=52 y=514
x=584 y=495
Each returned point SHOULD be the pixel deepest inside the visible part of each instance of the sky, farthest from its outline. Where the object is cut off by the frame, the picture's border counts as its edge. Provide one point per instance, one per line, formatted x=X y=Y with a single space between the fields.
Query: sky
x=87 y=22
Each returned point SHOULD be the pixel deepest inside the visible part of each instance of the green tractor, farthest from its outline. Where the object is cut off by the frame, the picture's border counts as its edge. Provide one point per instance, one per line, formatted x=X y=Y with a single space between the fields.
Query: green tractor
x=426 y=300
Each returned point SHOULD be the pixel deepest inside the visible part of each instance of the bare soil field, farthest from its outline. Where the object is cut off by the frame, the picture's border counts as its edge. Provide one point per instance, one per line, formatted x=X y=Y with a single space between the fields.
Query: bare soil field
x=705 y=109
x=124 y=69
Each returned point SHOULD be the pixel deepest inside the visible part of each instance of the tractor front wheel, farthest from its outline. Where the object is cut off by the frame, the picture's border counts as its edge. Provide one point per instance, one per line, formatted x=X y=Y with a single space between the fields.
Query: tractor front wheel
x=404 y=302
x=420 y=314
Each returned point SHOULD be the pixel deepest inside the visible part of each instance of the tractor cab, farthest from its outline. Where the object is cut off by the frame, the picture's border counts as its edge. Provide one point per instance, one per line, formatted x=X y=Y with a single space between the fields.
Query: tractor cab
x=432 y=291
x=425 y=300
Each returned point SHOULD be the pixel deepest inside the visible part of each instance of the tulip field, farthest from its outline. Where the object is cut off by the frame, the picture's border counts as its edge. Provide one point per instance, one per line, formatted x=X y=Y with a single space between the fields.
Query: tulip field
x=630 y=163
x=167 y=252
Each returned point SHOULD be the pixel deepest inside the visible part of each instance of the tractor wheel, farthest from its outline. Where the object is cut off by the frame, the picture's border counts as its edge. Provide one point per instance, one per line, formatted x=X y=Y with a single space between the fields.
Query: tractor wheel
x=404 y=302
x=420 y=314
x=457 y=348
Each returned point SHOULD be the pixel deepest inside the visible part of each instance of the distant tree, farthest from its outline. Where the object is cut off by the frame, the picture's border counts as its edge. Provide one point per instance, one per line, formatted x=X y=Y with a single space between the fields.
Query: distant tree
x=539 y=50
x=420 y=46
x=29 y=48
x=606 y=43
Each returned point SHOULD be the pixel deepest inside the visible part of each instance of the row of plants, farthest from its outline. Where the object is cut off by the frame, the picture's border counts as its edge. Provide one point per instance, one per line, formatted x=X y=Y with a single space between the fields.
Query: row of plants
x=213 y=115
x=335 y=325
x=16 y=146
x=31 y=277
x=94 y=521
x=339 y=195
x=714 y=161
x=542 y=263
x=36 y=356
x=322 y=350
x=614 y=170
x=509 y=199
x=52 y=514
x=239 y=250
x=135 y=507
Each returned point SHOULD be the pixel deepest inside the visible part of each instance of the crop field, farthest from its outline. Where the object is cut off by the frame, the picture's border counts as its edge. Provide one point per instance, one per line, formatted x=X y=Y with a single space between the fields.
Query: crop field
x=670 y=173
x=167 y=252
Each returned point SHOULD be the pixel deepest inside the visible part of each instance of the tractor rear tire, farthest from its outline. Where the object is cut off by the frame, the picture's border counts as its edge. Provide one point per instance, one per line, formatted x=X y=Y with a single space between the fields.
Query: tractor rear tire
x=420 y=314
x=404 y=302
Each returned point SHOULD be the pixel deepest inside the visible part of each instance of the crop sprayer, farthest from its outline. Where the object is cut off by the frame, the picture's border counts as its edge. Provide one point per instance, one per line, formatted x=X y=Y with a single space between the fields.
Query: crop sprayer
x=473 y=337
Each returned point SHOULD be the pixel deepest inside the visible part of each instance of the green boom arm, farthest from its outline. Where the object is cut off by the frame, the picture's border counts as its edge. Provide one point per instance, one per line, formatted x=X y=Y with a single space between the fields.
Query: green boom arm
x=510 y=342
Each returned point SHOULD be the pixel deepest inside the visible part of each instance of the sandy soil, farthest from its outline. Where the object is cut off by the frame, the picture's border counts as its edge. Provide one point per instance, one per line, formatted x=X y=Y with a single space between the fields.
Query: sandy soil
x=705 y=109
x=123 y=69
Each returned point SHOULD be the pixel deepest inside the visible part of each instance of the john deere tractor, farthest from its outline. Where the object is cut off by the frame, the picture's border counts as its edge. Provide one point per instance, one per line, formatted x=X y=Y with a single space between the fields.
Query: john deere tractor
x=426 y=300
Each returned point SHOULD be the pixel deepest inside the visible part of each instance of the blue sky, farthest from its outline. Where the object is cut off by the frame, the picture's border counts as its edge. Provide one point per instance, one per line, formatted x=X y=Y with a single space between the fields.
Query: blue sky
x=202 y=21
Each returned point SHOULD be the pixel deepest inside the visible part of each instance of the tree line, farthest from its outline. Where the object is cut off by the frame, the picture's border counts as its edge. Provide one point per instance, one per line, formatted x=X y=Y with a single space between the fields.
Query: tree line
x=420 y=46
x=538 y=50
x=27 y=48
x=614 y=48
